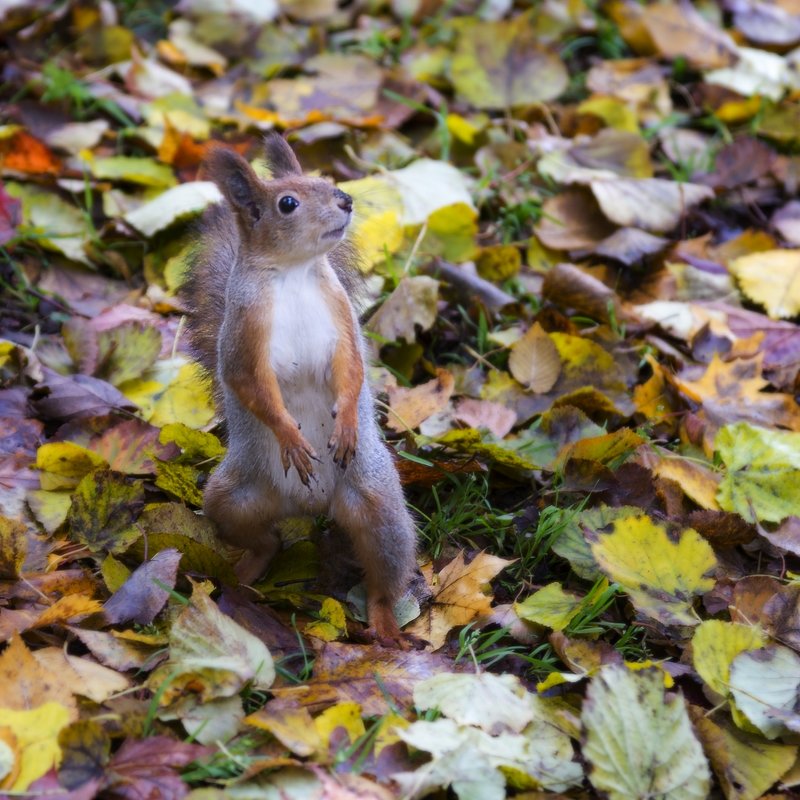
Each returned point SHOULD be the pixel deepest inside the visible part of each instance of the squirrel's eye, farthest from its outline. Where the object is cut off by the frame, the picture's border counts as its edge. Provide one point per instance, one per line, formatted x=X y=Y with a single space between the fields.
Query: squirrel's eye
x=287 y=204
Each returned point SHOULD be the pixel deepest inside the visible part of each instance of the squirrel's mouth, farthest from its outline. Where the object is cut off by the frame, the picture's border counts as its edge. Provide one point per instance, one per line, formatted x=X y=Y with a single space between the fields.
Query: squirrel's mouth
x=337 y=233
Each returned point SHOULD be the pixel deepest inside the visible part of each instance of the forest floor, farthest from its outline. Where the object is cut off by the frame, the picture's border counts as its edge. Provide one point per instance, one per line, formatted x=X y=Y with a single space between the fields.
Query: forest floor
x=579 y=240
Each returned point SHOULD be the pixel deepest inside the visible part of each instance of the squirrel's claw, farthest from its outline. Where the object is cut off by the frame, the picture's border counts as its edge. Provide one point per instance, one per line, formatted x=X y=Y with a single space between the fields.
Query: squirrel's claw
x=343 y=444
x=299 y=454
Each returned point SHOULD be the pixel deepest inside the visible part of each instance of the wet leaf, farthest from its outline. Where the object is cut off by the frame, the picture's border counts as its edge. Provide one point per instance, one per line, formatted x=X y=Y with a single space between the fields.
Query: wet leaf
x=85 y=751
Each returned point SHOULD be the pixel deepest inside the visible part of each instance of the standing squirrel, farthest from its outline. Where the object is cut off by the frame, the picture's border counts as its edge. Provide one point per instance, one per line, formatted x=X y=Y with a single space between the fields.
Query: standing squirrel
x=269 y=318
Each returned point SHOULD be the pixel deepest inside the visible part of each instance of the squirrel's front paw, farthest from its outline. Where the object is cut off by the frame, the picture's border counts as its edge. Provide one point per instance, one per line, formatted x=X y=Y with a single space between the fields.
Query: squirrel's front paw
x=298 y=453
x=343 y=442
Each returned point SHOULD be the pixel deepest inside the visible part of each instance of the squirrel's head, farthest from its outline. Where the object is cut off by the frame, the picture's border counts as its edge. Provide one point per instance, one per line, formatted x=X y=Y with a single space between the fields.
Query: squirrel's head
x=291 y=217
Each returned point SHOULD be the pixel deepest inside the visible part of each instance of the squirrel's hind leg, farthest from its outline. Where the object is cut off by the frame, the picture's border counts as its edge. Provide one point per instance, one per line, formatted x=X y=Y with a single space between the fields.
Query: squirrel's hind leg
x=245 y=516
x=382 y=534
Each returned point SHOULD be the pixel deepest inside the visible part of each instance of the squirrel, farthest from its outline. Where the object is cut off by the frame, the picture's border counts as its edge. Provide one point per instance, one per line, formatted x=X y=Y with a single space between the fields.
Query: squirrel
x=270 y=319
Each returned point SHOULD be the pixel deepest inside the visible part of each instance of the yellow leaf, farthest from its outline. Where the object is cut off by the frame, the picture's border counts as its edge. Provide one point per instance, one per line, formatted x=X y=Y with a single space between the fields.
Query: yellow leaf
x=459 y=596
x=68 y=608
x=660 y=575
x=698 y=482
x=292 y=727
x=342 y=715
x=13 y=546
x=36 y=731
x=780 y=295
x=534 y=360
x=746 y=766
x=332 y=622
x=714 y=646
x=376 y=227
x=172 y=391
x=613 y=112
x=550 y=606
x=63 y=464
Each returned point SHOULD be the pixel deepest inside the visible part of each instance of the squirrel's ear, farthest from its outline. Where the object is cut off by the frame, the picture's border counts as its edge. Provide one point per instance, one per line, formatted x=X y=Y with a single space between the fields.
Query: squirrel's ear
x=236 y=180
x=280 y=157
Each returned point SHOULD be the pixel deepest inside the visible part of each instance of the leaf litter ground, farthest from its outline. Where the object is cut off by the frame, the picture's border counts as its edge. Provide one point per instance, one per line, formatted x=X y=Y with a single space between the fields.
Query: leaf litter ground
x=579 y=241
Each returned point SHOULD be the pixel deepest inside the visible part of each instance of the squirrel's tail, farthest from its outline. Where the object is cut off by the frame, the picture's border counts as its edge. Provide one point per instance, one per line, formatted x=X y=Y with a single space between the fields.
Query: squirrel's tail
x=203 y=290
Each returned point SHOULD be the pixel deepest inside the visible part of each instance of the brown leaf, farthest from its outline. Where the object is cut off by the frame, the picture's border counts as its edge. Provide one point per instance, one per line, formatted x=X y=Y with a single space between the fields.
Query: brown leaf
x=64 y=397
x=146 y=591
x=534 y=360
x=572 y=287
x=631 y=246
x=147 y=769
x=364 y=675
x=410 y=407
x=458 y=596
x=572 y=220
x=678 y=30
x=484 y=414
x=25 y=684
x=116 y=652
x=13 y=546
x=743 y=161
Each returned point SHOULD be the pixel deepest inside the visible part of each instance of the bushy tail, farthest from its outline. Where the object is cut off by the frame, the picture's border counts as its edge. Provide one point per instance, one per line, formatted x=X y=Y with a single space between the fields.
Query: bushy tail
x=203 y=290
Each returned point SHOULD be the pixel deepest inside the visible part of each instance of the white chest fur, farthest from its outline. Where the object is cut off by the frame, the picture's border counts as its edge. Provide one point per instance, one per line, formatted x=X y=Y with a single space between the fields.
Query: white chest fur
x=303 y=335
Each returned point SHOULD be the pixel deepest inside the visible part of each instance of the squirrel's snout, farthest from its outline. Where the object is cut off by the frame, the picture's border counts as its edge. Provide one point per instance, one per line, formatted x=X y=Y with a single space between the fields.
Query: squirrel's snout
x=345 y=202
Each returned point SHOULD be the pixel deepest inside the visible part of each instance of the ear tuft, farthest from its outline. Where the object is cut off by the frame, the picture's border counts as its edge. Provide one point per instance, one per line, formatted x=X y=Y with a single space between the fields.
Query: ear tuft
x=236 y=180
x=280 y=157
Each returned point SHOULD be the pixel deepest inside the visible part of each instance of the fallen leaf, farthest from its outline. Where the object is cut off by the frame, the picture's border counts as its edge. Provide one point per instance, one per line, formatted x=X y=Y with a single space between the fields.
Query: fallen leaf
x=36 y=733
x=495 y=417
x=146 y=592
x=412 y=303
x=85 y=752
x=716 y=644
x=653 y=204
x=534 y=360
x=494 y=703
x=660 y=575
x=410 y=407
x=25 y=685
x=80 y=675
x=781 y=294
x=765 y=683
x=572 y=220
x=458 y=596
x=173 y=205
x=551 y=606
x=103 y=510
x=745 y=765
x=500 y=65
x=364 y=675
x=680 y=30
x=761 y=467
x=664 y=756
x=210 y=655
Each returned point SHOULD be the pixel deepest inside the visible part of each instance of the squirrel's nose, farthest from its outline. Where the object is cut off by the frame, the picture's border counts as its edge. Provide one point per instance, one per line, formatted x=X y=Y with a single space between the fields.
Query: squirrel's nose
x=345 y=201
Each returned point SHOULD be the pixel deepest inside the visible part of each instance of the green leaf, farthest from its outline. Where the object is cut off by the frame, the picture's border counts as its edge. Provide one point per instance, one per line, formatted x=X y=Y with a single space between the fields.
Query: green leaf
x=550 y=606
x=763 y=472
x=639 y=741
x=103 y=510
x=144 y=171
